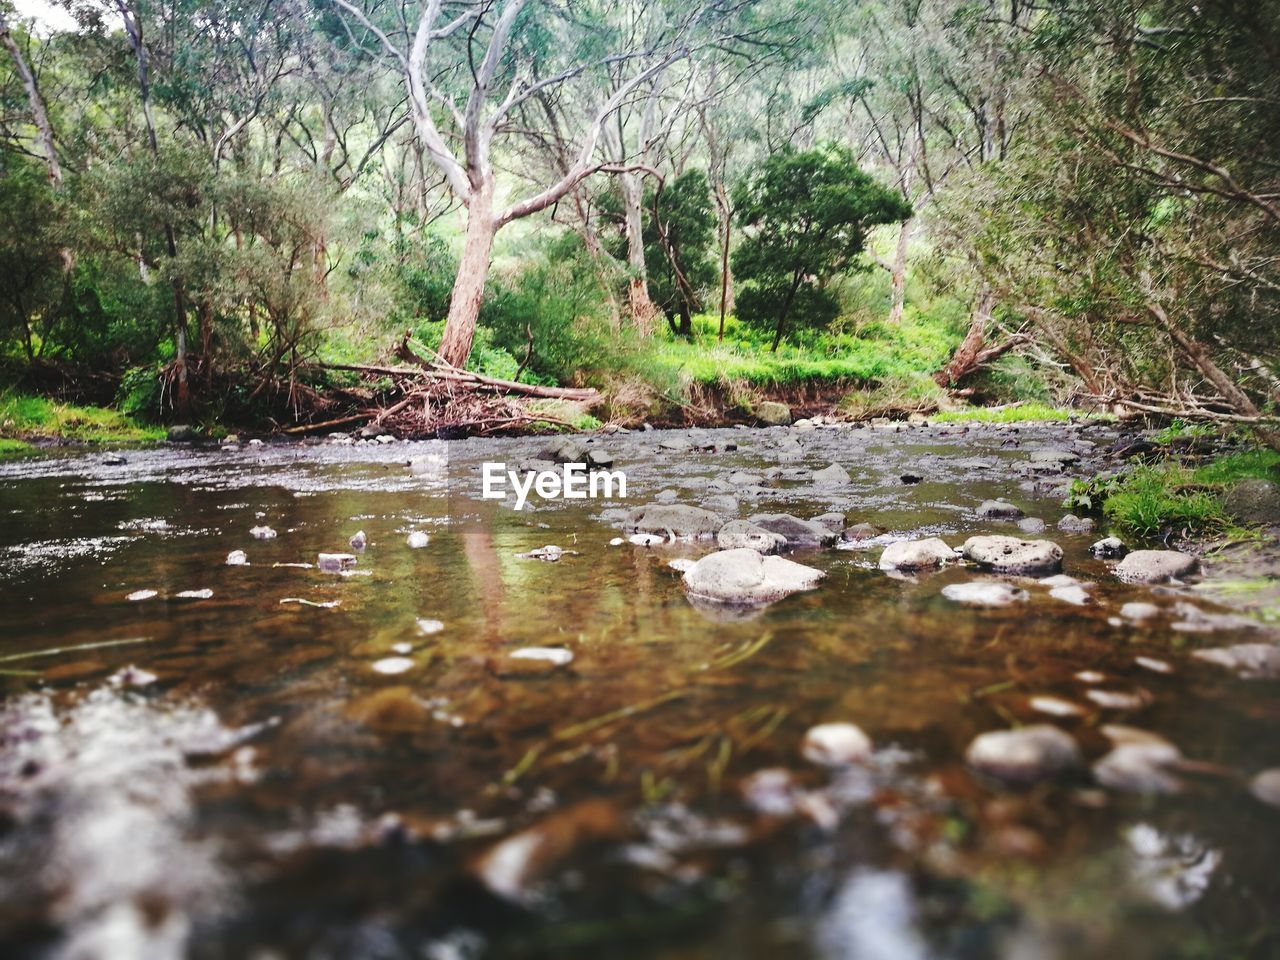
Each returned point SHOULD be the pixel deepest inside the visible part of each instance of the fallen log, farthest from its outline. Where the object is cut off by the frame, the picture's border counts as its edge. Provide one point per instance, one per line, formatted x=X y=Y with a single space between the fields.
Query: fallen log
x=444 y=371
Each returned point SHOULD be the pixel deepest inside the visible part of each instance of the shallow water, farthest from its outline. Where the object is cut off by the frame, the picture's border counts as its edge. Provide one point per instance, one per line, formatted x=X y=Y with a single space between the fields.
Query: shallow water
x=274 y=793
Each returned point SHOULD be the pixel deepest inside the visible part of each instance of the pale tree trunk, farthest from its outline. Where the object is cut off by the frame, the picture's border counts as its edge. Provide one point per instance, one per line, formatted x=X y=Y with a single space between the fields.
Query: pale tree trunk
x=1198 y=354
x=468 y=286
x=898 y=274
x=38 y=113
x=643 y=312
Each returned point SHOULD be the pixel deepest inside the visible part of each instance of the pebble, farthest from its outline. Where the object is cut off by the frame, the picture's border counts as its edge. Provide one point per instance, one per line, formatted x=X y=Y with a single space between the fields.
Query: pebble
x=417 y=540
x=1055 y=707
x=1119 y=700
x=985 y=593
x=1152 y=664
x=393 y=665
x=1109 y=548
x=1266 y=787
x=835 y=744
x=680 y=564
x=204 y=594
x=1139 y=611
x=646 y=539
x=335 y=562
x=557 y=656
x=237 y=558
x=261 y=533
x=1023 y=755
x=427 y=627
x=1074 y=595
x=142 y=595
x=358 y=541
x=1090 y=676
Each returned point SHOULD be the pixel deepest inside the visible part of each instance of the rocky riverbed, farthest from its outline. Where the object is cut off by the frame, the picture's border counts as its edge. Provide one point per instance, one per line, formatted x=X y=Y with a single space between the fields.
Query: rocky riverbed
x=813 y=690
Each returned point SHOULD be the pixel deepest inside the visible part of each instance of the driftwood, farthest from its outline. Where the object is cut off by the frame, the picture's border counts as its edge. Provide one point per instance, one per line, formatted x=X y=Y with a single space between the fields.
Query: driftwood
x=445 y=371
x=1186 y=412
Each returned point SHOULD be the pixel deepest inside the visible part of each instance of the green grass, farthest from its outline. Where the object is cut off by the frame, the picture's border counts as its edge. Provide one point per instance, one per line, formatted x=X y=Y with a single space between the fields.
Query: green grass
x=9 y=447
x=1260 y=464
x=1022 y=413
x=24 y=417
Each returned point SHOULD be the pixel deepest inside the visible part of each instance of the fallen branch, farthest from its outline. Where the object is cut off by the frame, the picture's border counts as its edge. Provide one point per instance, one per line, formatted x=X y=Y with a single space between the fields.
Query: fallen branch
x=1183 y=412
x=444 y=371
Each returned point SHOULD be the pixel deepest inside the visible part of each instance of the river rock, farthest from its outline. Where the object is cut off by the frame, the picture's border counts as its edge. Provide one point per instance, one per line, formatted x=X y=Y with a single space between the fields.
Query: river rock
x=358 y=541
x=916 y=555
x=1049 y=456
x=799 y=533
x=1031 y=525
x=836 y=744
x=832 y=521
x=417 y=540
x=675 y=519
x=1155 y=566
x=392 y=710
x=861 y=531
x=237 y=558
x=833 y=475
x=1012 y=555
x=1266 y=787
x=555 y=656
x=744 y=576
x=985 y=593
x=1109 y=548
x=181 y=433
x=743 y=533
x=1073 y=594
x=773 y=414
x=335 y=562
x=1024 y=755
x=1139 y=767
x=1254 y=501
x=262 y=533
x=1245 y=659
x=1138 y=610
x=999 y=510
x=723 y=504
x=568 y=450
x=1073 y=524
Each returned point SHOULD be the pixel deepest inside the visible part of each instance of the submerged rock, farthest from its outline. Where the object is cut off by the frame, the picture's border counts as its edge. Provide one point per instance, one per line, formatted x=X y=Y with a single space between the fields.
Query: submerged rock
x=555 y=656
x=737 y=534
x=1055 y=706
x=833 y=475
x=1012 y=555
x=1246 y=659
x=674 y=519
x=1073 y=524
x=1024 y=755
x=568 y=450
x=335 y=562
x=1073 y=594
x=1266 y=787
x=393 y=665
x=1109 y=548
x=916 y=555
x=744 y=576
x=985 y=593
x=262 y=533
x=393 y=710
x=1139 y=767
x=835 y=744
x=1138 y=610
x=1155 y=566
x=237 y=558
x=1120 y=699
x=417 y=540
x=1031 y=525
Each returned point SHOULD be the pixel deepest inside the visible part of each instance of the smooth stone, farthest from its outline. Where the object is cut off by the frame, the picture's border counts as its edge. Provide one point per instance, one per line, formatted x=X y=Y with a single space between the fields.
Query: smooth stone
x=985 y=593
x=737 y=534
x=1119 y=699
x=417 y=540
x=393 y=665
x=722 y=504
x=1012 y=555
x=428 y=627
x=772 y=413
x=204 y=594
x=1032 y=525
x=1090 y=676
x=1266 y=787
x=1254 y=501
x=1055 y=706
x=666 y=496
x=1053 y=456
x=1074 y=595
x=556 y=656
x=237 y=558
x=1073 y=524
x=832 y=521
x=861 y=531
x=1155 y=566
x=142 y=595
x=999 y=510
x=744 y=576
x=1024 y=755
x=1109 y=548
x=1154 y=665
x=681 y=564
x=832 y=475
x=1060 y=580
x=1139 y=610
x=916 y=555
x=799 y=533
x=358 y=541
x=335 y=562
x=835 y=744
x=1245 y=659
x=567 y=450
x=646 y=539
x=181 y=433
x=262 y=533
x=1139 y=767
x=676 y=519
x=1194 y=620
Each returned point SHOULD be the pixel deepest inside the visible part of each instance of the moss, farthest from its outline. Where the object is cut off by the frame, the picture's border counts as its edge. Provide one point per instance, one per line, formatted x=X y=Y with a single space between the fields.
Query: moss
x=24 y=417
x=10 y=447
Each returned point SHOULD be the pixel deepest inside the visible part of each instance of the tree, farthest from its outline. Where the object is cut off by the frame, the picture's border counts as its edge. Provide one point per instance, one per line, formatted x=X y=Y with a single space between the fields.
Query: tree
x=678 y=236
x=807 y=216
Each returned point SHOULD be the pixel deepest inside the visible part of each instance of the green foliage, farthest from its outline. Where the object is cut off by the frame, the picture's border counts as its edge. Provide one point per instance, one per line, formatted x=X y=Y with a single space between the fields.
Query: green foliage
x=807 y=216
x=1015 y=413
x=1259 y=464
x=26 y=416
x=1181 y=430
x=678 y=235
x=140 y=393
x=1153 y=500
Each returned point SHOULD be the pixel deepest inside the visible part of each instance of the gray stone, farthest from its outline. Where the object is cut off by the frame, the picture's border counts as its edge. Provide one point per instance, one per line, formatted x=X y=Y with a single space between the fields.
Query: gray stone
x=237 y=558
x=916 y=555
x=1031 y=525
x=1109 y=548
x=1266 y=787
x=833 y=475
x=1139 y=767
x=675 y=519
x=773 y=414
x=181 y=433
x=737 y=534
x=568 y=450
x=861 y=531
x=1254 y=501
x=722 y=504
x=832 y=521
x=799 y=533
x=358 y=541
x=262 y=533
x=835 y=745
x=998 y=510
x=1155 y=566
x=1074 y=594
x=417 y=540
x=1011 y=555
x=1024 y=755
x=1073 y=524
x=1137 y=610
x=746 y=577
x=335 y=562
x=1053 y=456
x=985 y=593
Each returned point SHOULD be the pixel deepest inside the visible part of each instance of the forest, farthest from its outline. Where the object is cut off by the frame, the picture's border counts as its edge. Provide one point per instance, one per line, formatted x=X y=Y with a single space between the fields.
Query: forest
x=291 y=213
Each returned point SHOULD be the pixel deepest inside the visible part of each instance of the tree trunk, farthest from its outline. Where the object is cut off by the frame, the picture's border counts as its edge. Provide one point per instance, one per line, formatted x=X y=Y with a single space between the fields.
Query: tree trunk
x=1198 y=354
x=643 y=312
x=38 y=112
x=686 y=321
x=898 y=274
x=468 y=286
x=965 y=358
x=786 y=309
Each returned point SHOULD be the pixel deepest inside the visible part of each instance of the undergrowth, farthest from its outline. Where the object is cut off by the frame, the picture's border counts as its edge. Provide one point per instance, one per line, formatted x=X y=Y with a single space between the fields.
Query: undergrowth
x=23 y=417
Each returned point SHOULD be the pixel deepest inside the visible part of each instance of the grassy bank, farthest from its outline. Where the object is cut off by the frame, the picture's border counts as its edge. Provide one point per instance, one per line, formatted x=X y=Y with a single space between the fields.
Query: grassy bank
x=1153 y=500
x=25 y=418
